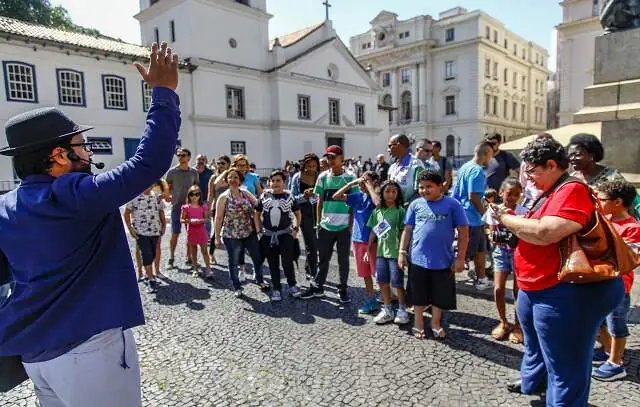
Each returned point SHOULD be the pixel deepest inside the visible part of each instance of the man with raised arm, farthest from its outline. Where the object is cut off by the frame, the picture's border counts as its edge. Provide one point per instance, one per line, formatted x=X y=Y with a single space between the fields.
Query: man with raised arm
x=75 y=296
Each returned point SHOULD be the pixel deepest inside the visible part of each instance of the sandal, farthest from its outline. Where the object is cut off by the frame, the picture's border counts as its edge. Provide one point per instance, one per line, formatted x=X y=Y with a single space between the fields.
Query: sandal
x=439 y=333
x=417 y=333
x=516 y=335
x=501 y=332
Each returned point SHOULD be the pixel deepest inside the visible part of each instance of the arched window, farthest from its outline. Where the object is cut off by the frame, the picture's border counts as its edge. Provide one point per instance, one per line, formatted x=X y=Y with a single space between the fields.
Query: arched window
x=406 y=113
x=388 y=102
x=451 y=146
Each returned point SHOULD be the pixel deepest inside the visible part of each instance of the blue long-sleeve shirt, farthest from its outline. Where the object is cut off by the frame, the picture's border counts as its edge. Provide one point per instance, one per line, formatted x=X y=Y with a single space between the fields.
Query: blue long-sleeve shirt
x=67 y=250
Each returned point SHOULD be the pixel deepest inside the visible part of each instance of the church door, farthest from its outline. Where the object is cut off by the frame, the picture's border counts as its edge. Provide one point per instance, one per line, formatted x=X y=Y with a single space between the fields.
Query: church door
x=335 y=140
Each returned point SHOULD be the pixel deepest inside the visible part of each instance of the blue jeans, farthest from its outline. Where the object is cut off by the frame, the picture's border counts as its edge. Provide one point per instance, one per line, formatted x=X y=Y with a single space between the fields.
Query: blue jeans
x=560 y=326
x=388 y=272
x=617 y=319
x=235 y=250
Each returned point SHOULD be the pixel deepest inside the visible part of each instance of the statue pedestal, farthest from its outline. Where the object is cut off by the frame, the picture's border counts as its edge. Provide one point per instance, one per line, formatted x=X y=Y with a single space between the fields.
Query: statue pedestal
x=614 y=100
x=616 y=56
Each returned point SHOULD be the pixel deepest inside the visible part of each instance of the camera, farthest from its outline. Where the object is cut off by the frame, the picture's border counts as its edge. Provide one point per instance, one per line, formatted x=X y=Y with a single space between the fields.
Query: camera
x=504 y=237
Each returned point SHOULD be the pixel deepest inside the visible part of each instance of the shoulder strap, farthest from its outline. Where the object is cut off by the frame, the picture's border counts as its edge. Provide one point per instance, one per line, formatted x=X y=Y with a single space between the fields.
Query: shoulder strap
x=563 y=180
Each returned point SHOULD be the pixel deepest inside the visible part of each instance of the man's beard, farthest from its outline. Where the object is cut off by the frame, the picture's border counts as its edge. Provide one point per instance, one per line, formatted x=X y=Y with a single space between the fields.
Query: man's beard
x=82 y=167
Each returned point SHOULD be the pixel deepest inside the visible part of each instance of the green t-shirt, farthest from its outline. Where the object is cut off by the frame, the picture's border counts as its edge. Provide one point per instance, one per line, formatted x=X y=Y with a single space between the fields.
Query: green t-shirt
x=389 y=244
x=335 y=214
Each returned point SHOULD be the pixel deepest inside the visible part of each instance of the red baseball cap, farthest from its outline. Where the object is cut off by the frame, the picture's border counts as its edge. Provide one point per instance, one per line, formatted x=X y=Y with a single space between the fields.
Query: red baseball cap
x=333 y=150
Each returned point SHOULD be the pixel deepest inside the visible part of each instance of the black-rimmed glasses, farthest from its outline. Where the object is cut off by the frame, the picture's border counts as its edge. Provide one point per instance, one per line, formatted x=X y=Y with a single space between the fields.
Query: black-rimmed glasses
x=85 y=146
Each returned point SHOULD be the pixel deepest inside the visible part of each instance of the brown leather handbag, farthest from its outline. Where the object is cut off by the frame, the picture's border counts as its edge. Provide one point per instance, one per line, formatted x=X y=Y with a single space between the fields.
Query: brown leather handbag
x=597 y=252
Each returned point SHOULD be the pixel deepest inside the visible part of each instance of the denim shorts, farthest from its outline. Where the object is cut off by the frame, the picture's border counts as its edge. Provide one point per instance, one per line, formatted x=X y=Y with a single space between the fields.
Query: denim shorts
x=387 y=271
x=503 y=259
x=176 y=213
x=617 y=319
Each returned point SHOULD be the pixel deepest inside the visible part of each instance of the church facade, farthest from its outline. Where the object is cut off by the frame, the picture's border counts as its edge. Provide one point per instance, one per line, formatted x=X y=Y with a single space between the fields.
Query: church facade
x=240 y=93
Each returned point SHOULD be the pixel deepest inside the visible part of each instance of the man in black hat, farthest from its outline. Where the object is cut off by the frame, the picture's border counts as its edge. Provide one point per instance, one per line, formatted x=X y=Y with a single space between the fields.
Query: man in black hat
x=75 y=296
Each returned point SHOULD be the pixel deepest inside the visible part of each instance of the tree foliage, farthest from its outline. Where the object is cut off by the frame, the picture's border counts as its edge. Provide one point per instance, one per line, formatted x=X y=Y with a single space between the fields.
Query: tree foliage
x=41 y=12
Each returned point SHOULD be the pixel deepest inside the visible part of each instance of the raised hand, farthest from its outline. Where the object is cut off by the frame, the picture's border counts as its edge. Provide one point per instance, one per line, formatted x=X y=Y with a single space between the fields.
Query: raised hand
x=163 y=67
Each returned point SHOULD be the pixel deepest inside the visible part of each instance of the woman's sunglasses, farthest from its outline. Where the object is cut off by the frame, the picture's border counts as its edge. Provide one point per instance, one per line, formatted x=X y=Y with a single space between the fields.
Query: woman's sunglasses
x=194 y=194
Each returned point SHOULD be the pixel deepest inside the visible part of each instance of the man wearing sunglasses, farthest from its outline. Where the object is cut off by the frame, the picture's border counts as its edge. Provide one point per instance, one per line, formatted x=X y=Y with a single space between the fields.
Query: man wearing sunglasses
x=75 y=296
x=180 y=178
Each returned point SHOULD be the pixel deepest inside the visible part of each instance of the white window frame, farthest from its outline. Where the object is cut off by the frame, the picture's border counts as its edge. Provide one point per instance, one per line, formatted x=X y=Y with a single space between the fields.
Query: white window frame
x=386 y=79
x=147 y=92
x=304 y=107
x=450 y=101
x=334 y=112
x=405 y=75
x=450 y=35
x=20 y=82
x=101 y=145
x=114 y=92
x=449 y=70
x=234 y=98
x=487 y=68
x=70 y=87
x=238 y=147
x=359 y=114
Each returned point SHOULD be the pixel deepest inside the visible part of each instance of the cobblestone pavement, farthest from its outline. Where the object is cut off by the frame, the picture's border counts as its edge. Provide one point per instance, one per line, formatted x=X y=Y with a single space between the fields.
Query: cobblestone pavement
x=203 y=347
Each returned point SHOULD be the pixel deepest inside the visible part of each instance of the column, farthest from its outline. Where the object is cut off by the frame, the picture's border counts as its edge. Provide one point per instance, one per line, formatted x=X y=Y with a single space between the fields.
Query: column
x=431 y=97
x=395 y=94
x=423 y=95
x=415 y=100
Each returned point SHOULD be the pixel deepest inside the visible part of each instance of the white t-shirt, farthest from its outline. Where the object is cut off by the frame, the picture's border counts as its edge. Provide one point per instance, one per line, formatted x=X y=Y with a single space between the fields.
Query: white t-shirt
x=145 y=214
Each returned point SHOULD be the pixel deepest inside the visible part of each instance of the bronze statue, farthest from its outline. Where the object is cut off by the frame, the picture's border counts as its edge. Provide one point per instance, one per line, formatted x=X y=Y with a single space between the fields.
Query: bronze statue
x=619 y=15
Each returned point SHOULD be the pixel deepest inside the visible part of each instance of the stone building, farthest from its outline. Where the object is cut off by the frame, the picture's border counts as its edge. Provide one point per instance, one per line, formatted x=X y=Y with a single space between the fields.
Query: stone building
x=456 y=77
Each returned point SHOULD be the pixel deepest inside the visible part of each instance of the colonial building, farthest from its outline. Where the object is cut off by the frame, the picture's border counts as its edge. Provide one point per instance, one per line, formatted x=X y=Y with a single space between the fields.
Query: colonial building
x=576 y=46
x=455 y=78
x=240 y=92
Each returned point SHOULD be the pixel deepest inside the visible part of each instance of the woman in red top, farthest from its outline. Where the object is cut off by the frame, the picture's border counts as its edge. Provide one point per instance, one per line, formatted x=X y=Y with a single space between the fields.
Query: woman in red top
x=559 y=320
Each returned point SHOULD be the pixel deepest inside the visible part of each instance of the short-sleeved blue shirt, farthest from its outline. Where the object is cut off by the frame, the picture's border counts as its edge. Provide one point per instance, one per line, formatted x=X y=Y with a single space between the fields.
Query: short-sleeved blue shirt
x=249 y=182
x=471 y=178
x=362 y=206
x=434 y=224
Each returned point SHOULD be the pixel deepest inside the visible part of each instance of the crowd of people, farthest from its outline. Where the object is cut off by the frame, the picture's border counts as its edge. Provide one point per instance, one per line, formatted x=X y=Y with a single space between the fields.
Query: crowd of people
x=411 y=225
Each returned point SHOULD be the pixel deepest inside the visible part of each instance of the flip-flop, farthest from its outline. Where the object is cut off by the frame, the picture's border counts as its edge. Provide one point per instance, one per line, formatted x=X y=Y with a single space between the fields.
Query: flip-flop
x=437 y=334
x=501 y=332
x=418 y=333
x=516 y=336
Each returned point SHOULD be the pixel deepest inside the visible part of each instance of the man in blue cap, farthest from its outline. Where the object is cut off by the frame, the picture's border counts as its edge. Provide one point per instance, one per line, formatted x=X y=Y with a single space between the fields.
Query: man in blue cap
x=75 y=298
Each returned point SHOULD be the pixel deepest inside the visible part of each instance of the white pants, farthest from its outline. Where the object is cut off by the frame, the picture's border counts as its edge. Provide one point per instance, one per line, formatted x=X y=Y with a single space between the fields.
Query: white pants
x=91 y=374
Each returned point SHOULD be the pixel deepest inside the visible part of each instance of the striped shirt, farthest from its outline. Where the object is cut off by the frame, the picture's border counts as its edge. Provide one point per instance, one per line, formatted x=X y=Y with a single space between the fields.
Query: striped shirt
x=335 y=214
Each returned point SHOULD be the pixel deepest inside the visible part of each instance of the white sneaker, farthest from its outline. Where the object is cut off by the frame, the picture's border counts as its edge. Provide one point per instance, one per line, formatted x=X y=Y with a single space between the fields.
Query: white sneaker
x=295 y=292
x=385 y=315
x=483 y=284
x=402 y=317
x=276 y=296
x=241 y=277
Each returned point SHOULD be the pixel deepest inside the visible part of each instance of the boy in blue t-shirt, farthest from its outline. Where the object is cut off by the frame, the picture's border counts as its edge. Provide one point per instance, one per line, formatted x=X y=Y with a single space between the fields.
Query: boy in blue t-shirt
x=430 y=224
x=362 y=203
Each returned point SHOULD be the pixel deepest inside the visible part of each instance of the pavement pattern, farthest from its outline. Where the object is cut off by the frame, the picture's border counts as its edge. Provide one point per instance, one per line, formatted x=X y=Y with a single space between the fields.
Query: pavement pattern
x=203 y=347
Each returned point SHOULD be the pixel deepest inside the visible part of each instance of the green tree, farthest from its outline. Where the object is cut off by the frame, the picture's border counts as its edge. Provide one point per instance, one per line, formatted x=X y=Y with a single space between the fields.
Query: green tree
x=32 y=11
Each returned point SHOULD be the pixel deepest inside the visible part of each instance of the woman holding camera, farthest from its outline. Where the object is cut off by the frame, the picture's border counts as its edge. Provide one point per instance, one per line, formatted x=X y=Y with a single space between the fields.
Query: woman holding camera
x=559 y=320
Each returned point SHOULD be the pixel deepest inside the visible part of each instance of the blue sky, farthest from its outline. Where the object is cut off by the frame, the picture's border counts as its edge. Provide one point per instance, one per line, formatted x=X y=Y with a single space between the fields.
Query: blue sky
x=533 y=20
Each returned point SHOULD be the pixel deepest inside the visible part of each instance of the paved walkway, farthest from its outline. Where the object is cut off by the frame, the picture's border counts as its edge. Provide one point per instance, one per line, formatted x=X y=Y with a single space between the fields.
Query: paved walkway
x=203 y=347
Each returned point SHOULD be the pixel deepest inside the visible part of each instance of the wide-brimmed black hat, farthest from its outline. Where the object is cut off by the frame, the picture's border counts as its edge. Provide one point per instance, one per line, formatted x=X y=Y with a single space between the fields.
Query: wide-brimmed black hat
x=38 y=128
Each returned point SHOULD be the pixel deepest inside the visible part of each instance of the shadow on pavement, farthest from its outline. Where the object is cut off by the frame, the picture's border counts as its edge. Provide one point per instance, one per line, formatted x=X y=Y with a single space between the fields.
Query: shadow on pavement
x=175 y=293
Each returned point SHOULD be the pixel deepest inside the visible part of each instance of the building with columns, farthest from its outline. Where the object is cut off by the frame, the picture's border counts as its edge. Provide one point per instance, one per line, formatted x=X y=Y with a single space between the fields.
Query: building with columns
x=240 y=92
x=455 y=78
x=576 y=46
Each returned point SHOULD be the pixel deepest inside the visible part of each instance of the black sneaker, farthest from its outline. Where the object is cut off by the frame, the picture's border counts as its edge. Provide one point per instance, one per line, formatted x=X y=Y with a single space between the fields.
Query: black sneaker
x=312 y=292
x=170 y=263
x=152 y=287
x=187 y=262
x=344 y=297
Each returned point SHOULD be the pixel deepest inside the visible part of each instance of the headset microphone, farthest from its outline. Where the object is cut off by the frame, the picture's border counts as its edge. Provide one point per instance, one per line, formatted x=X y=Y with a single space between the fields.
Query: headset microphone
x=74 y=157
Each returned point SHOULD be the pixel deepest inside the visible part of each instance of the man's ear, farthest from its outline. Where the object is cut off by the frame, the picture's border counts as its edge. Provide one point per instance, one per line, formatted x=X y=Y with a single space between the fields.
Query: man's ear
x=59 y=156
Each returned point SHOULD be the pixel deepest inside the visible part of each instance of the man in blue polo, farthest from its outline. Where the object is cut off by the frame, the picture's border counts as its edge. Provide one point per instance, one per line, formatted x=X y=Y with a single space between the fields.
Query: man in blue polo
x=75 y=296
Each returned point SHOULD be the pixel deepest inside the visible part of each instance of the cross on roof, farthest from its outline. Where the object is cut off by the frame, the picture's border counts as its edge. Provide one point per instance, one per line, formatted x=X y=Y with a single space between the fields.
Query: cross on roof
x=327 y=5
